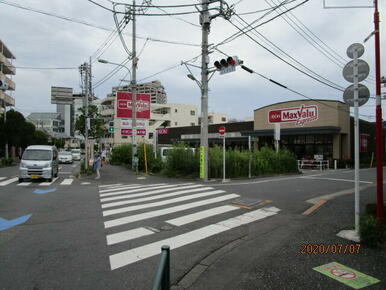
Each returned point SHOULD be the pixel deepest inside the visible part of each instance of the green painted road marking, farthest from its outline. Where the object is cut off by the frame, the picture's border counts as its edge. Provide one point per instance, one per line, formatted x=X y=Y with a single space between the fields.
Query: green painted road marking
x=346 y=275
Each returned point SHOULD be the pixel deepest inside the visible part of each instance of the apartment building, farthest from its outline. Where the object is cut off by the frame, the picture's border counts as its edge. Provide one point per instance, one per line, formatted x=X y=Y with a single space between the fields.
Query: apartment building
x=154 y=88
x=49 y=123
x=215 y=118
x=7 y=70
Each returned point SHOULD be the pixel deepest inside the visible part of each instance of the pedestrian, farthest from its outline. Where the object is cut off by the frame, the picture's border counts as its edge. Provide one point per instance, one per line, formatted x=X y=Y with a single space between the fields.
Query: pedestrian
x=97 y=165
x=135 y=163
x=104 y=154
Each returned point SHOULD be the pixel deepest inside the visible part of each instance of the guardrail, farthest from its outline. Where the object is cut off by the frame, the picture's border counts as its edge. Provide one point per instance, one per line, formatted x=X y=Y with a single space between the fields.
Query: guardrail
x=311 y=164
x=162 y=278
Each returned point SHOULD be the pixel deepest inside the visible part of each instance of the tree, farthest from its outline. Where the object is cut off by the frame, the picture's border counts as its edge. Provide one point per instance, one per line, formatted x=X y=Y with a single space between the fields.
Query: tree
x=97 y=128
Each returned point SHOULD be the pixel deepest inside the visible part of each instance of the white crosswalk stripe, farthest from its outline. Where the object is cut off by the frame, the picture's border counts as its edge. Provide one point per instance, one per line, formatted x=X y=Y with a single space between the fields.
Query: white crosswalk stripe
x=24 y=184
x=9 y=181
x=158 y=201
x=67 y=181
x=2 y=177
x=49 y=183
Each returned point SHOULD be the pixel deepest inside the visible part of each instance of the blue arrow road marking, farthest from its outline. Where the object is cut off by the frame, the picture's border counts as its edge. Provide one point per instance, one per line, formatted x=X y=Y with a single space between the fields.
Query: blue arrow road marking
x=4 y=224
x=42 y=191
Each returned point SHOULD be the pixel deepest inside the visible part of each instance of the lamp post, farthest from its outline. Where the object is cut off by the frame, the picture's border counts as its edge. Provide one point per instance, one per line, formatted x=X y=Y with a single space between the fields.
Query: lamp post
x=133 y=115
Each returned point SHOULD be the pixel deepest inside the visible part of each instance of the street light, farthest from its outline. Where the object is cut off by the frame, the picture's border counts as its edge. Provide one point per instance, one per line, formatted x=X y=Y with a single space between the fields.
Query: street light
x=133 y=110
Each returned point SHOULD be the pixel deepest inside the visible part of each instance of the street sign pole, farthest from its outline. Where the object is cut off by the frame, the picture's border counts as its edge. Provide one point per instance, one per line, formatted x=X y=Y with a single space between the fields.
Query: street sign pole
x=223 y=157
x=356 y=141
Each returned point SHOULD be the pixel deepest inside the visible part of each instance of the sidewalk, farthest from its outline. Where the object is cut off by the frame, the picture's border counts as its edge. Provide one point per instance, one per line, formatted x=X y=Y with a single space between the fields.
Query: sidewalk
x=268 y=263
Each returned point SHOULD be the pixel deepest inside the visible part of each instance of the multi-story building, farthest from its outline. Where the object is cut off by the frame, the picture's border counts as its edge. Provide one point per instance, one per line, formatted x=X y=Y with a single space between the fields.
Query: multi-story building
x=46 y=122
x=6 y=70
x=154 y=88
x=215 y=118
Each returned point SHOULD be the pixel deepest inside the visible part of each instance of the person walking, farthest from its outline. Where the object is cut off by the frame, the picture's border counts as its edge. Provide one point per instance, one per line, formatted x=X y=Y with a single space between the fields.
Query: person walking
x=97 y=165
x=135 y=163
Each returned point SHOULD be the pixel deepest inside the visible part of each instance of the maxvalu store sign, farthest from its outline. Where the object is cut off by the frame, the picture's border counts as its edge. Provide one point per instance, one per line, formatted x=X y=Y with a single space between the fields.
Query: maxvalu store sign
x=298 y=115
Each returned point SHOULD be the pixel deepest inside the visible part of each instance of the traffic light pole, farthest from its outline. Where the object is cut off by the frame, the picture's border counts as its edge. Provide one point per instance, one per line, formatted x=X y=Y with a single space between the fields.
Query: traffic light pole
x=205 y=24
x=379 y=127
x=134 y=90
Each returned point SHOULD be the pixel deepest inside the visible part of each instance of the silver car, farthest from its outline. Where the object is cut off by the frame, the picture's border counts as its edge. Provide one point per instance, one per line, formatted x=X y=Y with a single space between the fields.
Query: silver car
x=75 y=154
x=65 y=157
x=39 y=161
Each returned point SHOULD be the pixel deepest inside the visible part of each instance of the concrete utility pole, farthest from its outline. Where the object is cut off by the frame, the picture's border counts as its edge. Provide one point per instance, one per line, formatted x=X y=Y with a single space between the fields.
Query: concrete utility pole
x=5 y=120
x=205 y=24
x=134 y=89
x=86 y=115
x=379 y=125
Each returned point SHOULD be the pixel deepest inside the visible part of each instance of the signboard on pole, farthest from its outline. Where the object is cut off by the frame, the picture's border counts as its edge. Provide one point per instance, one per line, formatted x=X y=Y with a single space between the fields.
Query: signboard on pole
x=221 y=131
x=140 y=123
x=298 y=115
x=124 y=105
x=202 y=159
x=128 y=132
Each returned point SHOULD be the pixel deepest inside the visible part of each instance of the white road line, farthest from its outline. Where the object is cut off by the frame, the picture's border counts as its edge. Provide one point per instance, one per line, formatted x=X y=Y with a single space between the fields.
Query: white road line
x=190 y=218
x=110 y=185
x=74 y=165
x=127 y=235
x=134 y=255
x=112 y=204
x=1 y=177
x=165 y=211
x=48 y=183
x=24 y=184
x=127 y=196
x=85 y=183
x=334 y=179
x=67 y=181
x=159 y=203
x=9 y=181
x=123 y=187
x=168 y=188
x=65 y=172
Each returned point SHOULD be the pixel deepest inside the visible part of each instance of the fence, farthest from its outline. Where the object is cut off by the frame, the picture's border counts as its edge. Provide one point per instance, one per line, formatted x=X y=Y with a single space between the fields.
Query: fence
x=313 y=163
x=162 y=278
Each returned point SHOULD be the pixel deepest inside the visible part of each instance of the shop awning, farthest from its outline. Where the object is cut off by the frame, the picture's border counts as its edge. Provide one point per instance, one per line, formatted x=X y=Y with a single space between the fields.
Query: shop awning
x=294 y=131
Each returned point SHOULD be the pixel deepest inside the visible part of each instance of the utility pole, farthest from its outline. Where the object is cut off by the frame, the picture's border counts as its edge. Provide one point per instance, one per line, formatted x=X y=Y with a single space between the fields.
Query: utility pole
x=85 y=73
x=5 y=120
x=379 y=125
x=134 y=89
x=205 y=24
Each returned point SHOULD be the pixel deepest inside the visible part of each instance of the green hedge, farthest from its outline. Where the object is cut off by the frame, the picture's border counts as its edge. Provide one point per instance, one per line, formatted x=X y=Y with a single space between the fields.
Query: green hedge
x=183 y=161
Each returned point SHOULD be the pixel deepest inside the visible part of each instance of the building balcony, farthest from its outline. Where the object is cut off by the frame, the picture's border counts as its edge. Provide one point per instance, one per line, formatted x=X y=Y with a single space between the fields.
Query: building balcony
x=6 y=66
x=11 y=83
x=108 y=101
x=9 y=101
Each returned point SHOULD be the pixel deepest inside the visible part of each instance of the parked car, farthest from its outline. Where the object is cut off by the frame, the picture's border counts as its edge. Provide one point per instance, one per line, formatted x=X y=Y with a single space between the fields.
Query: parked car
x=75 y=154
x=39 y=161
x=65 y=157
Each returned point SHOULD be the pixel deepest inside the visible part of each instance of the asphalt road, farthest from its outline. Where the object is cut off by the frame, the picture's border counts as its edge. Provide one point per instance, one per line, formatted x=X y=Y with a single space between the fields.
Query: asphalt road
x=244 y=234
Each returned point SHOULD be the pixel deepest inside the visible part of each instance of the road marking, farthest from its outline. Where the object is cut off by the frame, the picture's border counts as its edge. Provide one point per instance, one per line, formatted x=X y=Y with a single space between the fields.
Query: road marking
x=1 y=177
x=190 y=218
x=168 y=188
x=160 y=196
x=85 y=183
x=141 y=177
x=108 y=185
x=65 y=172
x=24 y=184
x=121 y=188
x=48 y=183
x=74 y=165
x=314 y=207
x=334 y=179
x=134 y=255
x=127 y=235
x=60 y=167
x=160 y=203
x=67 y=181
x=9 y=181
x=161 y=212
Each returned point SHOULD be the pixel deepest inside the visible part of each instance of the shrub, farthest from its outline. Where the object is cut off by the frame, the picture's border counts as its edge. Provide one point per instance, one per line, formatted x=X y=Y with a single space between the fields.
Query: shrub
x=121 y=155
x=368 y=230
x=181 y=162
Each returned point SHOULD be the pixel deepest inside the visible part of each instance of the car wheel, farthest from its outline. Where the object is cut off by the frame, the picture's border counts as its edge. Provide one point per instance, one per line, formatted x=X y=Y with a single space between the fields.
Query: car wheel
x=21 y=180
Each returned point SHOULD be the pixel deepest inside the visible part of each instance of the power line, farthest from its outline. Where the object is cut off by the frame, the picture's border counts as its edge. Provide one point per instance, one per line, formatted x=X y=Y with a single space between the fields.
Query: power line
x=327 y=82
x=43 y=68
x=90 y=24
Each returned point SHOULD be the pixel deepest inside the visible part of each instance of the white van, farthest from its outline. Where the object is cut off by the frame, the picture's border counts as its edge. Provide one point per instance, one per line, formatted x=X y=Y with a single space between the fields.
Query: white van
x=39 y=161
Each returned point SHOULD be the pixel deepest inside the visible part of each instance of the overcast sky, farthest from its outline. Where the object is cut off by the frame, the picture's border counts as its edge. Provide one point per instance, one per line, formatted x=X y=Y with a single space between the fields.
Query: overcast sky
x=39 y=40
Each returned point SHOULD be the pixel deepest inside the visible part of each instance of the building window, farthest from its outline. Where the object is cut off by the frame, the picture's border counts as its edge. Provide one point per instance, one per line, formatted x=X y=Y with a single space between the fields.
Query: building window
x=175 y=110
x=124 y=137
x=192 y=124
x=192 y=113
x=175 y=123
x=223 y=119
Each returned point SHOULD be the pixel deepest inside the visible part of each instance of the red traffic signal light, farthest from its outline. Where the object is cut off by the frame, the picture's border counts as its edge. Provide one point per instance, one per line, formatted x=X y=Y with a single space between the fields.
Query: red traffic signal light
x=231 y=61
x=227 y=65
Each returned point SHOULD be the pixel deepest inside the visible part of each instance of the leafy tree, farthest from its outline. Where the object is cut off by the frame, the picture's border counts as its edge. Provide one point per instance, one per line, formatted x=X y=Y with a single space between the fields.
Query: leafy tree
x=97 y=128
x=40 y=138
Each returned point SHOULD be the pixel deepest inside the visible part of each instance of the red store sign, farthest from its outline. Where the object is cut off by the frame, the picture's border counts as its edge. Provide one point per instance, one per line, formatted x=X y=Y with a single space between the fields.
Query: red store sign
x=128 y=132
x=298 y=115
x=163 y=131
x=124 y=105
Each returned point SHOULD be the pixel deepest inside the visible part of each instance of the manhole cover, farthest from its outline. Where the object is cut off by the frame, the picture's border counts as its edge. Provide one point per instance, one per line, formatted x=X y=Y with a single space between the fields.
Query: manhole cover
x=247 y=201
x=166 y=228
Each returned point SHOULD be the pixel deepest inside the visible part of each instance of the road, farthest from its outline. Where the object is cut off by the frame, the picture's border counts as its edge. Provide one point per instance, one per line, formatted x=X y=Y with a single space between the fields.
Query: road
x=243 y=234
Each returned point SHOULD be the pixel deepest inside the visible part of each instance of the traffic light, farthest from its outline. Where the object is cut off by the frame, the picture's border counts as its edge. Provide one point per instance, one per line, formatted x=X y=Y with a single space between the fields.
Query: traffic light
x=227 y=65
x=111 y=126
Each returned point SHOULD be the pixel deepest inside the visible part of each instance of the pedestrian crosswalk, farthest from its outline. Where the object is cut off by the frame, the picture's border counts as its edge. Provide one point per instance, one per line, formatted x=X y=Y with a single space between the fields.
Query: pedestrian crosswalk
x=8 y=181
x=202 y=213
